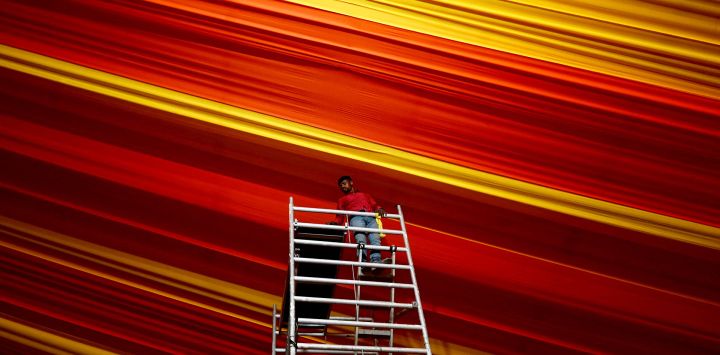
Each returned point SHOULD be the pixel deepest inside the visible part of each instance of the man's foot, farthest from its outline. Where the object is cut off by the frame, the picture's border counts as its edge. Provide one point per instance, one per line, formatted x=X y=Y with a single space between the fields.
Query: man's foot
x=365 y=271
x=379 y=271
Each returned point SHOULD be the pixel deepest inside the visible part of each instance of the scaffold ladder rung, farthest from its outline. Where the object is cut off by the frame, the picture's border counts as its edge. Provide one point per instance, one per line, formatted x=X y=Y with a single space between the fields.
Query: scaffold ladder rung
x=313 y=351
x=362 y=348
x=366 y=319
x=347 y=245
x=348 y=228
x=360 y=324
x=354 y=302
x=341 y=212
x=324 y=280
x=351 y=263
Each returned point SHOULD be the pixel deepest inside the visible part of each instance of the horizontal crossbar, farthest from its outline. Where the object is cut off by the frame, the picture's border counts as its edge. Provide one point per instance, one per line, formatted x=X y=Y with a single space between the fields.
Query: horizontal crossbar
x=365 y=319
x=358 y=302
x=344 y=212
x=279 y=350
x=345 y=245
x=359 y=324
x=323 y=280
x=351 y=263
x=330 y=347
x=344 y=228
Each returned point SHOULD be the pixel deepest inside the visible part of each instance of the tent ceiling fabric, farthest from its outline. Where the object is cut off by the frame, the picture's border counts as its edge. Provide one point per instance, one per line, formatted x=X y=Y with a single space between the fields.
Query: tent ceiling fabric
x=557 y=163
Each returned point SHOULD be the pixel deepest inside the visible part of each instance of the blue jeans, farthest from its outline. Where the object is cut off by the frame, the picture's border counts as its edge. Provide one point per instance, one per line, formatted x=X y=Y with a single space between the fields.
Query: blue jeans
x=366 y=222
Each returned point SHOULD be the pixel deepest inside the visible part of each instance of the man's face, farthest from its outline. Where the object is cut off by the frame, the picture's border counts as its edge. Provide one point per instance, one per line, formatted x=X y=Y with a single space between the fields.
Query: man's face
x=346 y=186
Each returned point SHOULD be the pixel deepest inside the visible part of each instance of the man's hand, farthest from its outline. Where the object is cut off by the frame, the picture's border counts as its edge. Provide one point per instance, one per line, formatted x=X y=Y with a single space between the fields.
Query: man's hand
x=381 y=212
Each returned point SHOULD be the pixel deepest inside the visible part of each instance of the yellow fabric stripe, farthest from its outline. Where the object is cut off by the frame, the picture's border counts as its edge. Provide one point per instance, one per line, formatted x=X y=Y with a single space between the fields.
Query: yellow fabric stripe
x=223 y=291
x=240 y=296
x=698 y=25
x=624 y=38
x=45 y=341
x=357 y=149
x=239 y=293
x=32 y=343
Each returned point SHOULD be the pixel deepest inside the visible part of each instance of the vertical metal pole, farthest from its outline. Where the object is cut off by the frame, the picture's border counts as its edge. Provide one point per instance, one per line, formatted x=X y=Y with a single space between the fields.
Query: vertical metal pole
x=421 y=315
x=292 y=339
x=274 y=336
x=357 y=306
x=392 y=299
x=356 y=288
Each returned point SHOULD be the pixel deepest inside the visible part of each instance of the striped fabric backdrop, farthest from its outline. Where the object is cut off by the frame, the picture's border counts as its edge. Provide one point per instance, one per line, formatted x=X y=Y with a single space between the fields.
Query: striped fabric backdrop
x=558 y=162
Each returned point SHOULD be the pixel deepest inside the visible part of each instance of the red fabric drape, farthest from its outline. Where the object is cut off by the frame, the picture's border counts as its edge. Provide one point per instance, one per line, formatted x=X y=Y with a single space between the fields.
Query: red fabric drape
x=495 y=275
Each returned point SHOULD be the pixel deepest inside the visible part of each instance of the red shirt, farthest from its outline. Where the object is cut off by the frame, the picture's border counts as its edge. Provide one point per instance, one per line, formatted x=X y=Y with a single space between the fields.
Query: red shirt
x=356 y=201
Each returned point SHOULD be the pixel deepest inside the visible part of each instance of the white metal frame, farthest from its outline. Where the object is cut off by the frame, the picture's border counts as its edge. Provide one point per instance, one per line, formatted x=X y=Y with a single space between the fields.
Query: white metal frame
x=292 y=336
x=293 y=346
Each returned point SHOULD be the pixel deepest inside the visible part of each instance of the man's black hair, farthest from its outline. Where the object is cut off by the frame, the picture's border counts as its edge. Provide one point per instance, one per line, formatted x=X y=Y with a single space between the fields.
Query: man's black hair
x=343 y=178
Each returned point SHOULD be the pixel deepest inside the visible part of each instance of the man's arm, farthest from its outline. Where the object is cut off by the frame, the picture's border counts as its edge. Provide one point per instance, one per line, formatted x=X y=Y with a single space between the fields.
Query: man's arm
x=378 y=209
x=339 y=218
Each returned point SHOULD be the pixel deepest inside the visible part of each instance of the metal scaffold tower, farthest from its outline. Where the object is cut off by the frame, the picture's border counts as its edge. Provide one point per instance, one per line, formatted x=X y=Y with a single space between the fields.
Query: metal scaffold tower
x=305 y=323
